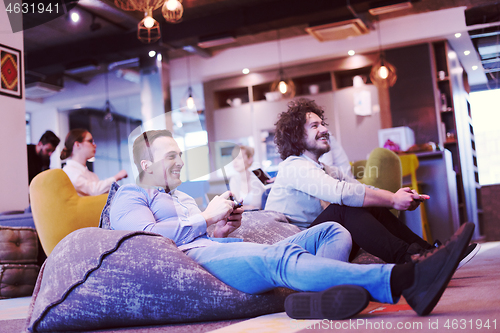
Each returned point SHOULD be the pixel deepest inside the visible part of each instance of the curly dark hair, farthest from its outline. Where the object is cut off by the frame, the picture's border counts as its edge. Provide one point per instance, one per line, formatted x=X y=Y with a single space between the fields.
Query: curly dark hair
x=290 y=132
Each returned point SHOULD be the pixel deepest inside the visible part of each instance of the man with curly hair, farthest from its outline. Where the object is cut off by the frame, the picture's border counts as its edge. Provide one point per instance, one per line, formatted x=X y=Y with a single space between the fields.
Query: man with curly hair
x=303 y=186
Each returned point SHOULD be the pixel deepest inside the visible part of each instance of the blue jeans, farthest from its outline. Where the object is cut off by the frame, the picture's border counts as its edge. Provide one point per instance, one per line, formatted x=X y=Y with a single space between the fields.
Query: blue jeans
x=312 y=260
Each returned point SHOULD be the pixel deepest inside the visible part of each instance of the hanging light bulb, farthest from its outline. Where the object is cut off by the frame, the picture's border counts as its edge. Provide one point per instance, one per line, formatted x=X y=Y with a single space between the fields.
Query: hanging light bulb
x=190 y=99
x=282 y=87
x=172 y=11
x=148 y=30
x=171 y=4
x=190 y=102
x=383 y=72
x=149 y=22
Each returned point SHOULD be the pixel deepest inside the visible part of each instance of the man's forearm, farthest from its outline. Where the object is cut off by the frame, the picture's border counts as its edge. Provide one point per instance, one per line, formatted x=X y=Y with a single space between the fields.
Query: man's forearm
x=378 y=198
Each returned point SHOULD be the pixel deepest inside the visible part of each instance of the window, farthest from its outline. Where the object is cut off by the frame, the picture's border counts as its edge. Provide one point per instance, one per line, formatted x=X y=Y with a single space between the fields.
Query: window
x=485 y=113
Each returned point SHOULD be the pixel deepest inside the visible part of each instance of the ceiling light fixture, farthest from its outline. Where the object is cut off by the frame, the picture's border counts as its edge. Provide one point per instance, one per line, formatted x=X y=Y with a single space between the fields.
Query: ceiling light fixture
x=190 y=99
x=245 y=71
x=474 y=67
x=148 y=29
x=458 y=35
x=172 y=11
x=152 y=53
x=108 y=116
x=282 y=84
x=466 y=52
x=383 y=74
x=351 y=52
x=75 y=17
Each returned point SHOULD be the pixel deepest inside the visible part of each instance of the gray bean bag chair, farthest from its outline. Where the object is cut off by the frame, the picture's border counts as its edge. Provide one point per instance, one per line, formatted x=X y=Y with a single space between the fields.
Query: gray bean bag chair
x=97 y=278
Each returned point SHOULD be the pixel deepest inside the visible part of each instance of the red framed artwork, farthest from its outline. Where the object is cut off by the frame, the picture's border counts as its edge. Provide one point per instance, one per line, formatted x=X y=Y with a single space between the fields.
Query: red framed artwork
x=11 y=75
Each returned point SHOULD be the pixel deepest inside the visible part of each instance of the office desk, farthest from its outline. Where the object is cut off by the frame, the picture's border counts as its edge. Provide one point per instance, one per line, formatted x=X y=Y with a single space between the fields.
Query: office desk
x=437 y=179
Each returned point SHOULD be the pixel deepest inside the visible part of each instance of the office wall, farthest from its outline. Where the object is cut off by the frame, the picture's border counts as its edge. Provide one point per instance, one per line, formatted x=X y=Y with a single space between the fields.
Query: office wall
x=412 y=97
x=357 y=134
x=13 y=165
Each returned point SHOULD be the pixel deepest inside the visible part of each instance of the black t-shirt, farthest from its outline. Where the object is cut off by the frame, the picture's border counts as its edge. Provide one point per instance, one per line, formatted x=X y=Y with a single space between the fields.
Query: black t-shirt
x=35 y=163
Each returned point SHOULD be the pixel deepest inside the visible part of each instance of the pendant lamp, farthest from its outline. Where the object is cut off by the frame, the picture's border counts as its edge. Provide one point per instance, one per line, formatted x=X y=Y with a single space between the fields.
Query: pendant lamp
x=148 y=29
x=108 y=116
x=383 y=73
x=189 y=100
x=172 y=11
x=282 y=84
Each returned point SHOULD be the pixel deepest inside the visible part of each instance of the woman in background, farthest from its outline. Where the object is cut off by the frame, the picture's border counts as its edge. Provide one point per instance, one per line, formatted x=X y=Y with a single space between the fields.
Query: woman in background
x=244 y=184
x=78 y=148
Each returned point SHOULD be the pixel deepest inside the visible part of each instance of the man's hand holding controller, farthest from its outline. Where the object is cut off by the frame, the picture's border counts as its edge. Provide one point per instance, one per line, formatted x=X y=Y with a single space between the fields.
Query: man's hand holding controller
x=225 y=212
x=417 y=199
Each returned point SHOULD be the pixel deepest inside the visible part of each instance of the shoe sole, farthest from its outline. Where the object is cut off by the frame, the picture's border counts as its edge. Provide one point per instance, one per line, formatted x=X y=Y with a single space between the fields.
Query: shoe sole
x=339 y=302
x=430 y=299
x=469 y=256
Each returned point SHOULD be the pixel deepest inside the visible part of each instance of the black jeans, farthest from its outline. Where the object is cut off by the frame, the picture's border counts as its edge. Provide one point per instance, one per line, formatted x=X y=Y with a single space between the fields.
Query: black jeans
x=375 y=229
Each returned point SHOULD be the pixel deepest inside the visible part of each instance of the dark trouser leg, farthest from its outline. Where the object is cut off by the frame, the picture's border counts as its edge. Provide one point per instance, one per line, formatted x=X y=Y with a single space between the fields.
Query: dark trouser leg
x=374 y=236
x=396 y=227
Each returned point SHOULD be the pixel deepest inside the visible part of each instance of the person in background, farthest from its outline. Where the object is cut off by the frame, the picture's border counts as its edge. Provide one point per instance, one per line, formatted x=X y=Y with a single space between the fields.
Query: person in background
x=39 y=154
x=244 y=184
x=79 y=146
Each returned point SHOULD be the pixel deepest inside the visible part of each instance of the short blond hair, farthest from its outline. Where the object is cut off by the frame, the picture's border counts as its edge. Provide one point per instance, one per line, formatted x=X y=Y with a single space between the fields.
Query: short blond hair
x=247 y=150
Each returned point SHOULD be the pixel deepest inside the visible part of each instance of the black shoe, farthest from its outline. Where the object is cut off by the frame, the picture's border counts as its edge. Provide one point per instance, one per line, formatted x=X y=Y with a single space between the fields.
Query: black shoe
x=339 y=302
x=413 y=252
x=434 y=270
x=470 y=252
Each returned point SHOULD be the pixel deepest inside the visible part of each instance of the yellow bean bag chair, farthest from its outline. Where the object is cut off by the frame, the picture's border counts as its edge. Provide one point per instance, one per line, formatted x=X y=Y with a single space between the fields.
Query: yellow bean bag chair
x=58 y=210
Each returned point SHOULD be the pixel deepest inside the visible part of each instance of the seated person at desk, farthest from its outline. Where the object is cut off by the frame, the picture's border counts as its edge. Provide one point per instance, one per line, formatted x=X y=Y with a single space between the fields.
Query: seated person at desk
x=78 y=148
x=303 y=185
x=312 y=261
x=244 y=184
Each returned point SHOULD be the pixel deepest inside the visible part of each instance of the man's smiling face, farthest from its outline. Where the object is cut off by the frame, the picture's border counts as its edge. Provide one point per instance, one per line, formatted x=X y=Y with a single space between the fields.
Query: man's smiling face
x=167 y=162
x=316 y=136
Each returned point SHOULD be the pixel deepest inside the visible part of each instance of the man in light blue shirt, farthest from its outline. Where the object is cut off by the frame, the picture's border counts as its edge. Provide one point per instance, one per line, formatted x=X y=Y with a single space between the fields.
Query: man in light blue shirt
x=313 y=261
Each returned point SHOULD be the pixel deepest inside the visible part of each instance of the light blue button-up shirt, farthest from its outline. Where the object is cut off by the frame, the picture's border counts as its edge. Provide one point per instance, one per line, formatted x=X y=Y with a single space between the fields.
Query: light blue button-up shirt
x=174 y=215
x=302 y=183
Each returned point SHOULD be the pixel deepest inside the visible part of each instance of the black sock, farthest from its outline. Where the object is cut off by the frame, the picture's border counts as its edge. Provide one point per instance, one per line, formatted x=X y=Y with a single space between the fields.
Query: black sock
x=402 y=277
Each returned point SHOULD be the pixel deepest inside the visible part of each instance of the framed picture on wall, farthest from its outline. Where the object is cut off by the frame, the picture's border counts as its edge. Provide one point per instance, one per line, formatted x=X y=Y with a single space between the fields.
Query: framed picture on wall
x=10 y=84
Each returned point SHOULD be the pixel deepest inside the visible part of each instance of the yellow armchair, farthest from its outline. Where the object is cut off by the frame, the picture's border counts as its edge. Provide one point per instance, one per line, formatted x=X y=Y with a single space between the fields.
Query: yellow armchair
x=58 y=210
x=383 y=170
